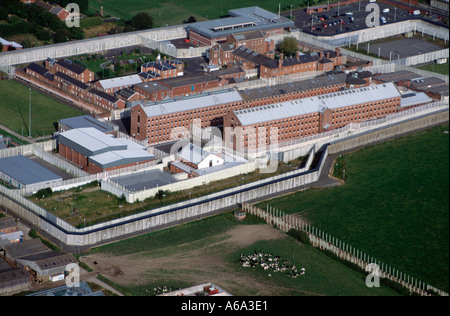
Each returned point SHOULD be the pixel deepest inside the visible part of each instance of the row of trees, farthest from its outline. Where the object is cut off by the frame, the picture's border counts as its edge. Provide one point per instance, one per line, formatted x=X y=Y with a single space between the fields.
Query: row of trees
x=30 y=19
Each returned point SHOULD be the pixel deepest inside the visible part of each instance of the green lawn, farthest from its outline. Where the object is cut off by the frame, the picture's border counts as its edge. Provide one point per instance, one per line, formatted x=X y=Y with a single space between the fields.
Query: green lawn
x=207 y=239
x=440 y=69
x=393 y=206
x=45 y=111
x=174 y=12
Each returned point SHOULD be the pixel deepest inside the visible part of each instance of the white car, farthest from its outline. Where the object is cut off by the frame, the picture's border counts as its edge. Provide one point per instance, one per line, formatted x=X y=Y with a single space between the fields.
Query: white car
x=385 y=10
x=372 y=0
x=416 y=12
x=383 y=20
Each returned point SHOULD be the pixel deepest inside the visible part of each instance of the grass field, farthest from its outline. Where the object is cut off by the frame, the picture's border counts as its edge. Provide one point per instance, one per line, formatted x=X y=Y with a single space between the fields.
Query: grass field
x=393 y=206
x=209 y=251
x=440 y=69
x=45 y=111
x=174 y=12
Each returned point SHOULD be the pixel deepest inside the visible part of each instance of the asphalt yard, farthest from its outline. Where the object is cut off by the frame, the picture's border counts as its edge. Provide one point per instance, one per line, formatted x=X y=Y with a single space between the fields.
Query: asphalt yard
x=144 y=180
x=402 y=48
x=346 y=18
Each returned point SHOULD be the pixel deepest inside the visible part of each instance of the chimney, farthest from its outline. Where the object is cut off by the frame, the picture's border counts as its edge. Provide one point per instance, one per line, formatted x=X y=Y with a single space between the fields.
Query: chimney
x=297 y=55
x=338 y=52
x=328 y=55
x=280 y=62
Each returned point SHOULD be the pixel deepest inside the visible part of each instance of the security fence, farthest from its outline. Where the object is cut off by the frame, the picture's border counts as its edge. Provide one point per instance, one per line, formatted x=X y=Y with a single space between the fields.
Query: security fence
x=324 y=241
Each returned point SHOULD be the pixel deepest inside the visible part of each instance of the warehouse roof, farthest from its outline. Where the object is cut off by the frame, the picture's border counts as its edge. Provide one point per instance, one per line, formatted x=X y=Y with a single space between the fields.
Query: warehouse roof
x=245 y=19
x=120 y=81
x=89 y=141
x=304 y=106
x=86 y=121
x=26 y=171
x=197 y=101
x=24 y=248
x=49 y=259
x=414 y=98
x=121 y=157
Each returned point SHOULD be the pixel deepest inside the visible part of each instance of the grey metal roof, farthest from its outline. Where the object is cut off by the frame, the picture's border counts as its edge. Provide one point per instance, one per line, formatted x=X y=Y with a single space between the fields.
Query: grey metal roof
x=144 y=180
x=121 y=157
x=283 y=110
x=89 y=141
x=193 y=102
x=26 y=171
x=86 y=121
x=295 y=86
x=414 y=98
x=245 y=19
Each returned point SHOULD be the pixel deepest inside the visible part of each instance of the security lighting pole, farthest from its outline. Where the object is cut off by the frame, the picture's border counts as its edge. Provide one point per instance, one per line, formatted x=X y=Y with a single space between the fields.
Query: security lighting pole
x=29 y=132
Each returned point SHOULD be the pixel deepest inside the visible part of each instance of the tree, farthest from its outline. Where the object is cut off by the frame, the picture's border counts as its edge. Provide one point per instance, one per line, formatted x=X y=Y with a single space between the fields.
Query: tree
x=141 y=21
x=289 y=45
x=191 y=19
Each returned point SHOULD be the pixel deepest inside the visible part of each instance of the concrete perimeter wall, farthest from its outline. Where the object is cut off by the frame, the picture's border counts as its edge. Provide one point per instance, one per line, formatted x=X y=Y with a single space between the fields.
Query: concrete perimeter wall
x=92 y=45
x=63 y=233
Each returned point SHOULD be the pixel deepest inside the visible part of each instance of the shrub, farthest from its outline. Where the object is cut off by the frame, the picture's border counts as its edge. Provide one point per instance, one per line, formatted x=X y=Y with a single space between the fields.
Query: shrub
x=301 y=236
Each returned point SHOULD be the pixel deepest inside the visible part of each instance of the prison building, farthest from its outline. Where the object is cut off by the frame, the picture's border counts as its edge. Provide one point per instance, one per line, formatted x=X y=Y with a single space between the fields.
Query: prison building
x=86 y=121
x=39 y=72
x=291 y=120
x=193 y=157
x=69 y=68
x=21 y=172
x=322 y=84
x=166 y=120
x=115 y=84
x=144 y=121
x=164 y=68
x=208 y=33
x=71 y=85
x=179 y=86
x=221 y=53
x=42 y=263
x=13 y=279
x=96 y=152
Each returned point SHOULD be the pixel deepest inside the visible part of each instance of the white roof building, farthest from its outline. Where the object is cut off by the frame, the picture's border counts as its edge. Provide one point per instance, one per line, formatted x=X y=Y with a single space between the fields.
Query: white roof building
x=199 y=157
x=120 y=82
x=335 y=100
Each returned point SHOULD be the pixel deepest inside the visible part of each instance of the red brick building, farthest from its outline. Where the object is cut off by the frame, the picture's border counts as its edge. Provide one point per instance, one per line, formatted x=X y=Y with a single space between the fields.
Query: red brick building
x=156 y=120
x=291 y=120
x=321 y=61
x=211 y=32
x=96 y=152
x=69 y=68
x=164 y=68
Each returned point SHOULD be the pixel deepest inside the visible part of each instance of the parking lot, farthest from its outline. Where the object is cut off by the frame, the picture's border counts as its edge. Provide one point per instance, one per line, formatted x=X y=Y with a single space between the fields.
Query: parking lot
x=402 y=48
x=347 y=18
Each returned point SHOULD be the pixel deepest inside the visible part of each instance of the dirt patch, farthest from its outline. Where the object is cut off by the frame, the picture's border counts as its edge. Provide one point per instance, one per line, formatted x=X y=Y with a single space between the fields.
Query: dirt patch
x=192 y=263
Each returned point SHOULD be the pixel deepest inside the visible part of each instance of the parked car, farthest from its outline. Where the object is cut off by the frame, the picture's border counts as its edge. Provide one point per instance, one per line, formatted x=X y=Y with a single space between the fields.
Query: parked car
x=385 y=10
x=416 y=12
